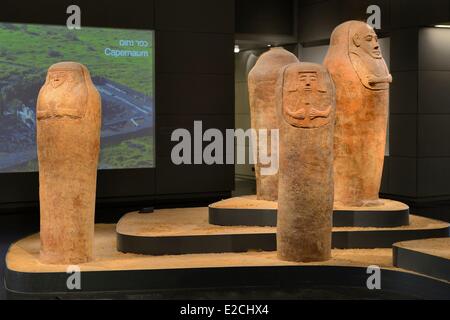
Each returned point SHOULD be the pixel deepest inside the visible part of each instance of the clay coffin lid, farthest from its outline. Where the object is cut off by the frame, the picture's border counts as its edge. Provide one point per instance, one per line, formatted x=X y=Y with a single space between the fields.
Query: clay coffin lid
x=342 y=45
x=268 y=66
x=340 y=41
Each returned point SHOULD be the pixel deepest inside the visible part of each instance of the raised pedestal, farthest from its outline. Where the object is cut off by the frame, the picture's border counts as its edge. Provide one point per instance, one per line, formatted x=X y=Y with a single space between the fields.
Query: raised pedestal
x=248 y=211
x=117 y=275
x=429 y=256
x=187 y=231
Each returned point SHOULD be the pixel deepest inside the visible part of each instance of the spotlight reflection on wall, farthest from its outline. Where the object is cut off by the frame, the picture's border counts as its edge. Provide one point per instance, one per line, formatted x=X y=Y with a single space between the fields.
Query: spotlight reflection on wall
x=442 y=26
x=237 y=49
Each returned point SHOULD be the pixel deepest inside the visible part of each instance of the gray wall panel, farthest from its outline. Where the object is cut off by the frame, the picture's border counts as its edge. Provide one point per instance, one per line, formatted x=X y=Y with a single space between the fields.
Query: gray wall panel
x=434 y=177
x=169 y=123
x=409 y=13
x=203 y=94
x=403 y=135
x=195 y=16
x=403 y=176
x=404 y=92
x=434 y=135
x=195 y=81
x=434 y=92
x=187 y=179
x=195 y=53
x=404 y=50
x=434 y=49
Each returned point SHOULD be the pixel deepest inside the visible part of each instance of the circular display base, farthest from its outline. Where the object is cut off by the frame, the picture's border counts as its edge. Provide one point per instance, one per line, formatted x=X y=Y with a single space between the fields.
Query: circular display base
x=114 y=275
x=187 y=231
x=430 y=257
x=310 y=282
x=248 y=211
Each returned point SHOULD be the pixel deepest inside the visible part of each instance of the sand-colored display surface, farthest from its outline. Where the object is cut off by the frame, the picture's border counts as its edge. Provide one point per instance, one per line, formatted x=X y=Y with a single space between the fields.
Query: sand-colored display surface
x=383 y=205
x=23 y=256
x=250 y=202
x=435 y=247
x=194 y=221
x=245 y=202
x=177 y=222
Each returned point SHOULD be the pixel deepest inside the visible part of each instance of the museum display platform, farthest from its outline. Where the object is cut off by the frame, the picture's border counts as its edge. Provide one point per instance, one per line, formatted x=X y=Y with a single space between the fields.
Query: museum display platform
x=187 y=231
x=429 y=256
x=248 y=211
x=113 y=274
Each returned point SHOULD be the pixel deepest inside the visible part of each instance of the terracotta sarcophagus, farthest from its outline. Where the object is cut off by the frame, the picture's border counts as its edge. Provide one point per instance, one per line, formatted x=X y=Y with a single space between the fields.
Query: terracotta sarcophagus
x=362 y=80
x=262 y=82
x=68 y=139
x=306 y=115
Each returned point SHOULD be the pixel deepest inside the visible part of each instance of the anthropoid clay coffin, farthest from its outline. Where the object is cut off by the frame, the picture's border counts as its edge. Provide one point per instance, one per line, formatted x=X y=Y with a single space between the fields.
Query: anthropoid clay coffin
x=362 y=81
x=306 y=112
x=262 y=82
x=68 y=140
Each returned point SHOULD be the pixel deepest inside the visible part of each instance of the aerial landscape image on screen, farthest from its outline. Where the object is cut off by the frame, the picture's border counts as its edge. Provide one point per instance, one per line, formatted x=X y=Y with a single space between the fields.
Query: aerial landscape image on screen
x=121 y=63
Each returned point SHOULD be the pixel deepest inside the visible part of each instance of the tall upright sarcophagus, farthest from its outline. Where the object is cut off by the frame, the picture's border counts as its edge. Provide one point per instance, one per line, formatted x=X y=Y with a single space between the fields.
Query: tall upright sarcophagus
x=306 y=116
x=68 y=139
x=262 y=82
x=362 y=80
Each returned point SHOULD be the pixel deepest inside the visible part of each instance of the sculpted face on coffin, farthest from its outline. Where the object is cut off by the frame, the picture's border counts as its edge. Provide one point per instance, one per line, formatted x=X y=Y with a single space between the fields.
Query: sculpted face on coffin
x=309 y=94
x=63 y=80
x=365 y=55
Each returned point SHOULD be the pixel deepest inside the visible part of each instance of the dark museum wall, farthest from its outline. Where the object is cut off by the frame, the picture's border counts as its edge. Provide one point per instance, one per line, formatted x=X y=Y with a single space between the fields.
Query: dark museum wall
x=195 y=81
x=263 y=22
x=421 y=106
x=266 y=17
